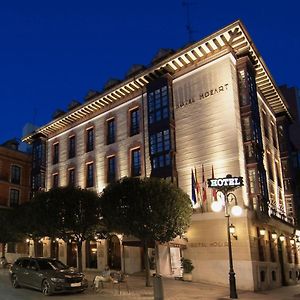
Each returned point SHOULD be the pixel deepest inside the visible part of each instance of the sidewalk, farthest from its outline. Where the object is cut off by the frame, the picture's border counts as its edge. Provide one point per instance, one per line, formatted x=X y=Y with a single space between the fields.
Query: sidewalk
x=181 y=290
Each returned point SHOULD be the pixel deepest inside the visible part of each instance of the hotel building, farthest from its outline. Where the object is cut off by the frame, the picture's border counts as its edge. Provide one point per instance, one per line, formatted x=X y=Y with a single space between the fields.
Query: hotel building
x=211 y=104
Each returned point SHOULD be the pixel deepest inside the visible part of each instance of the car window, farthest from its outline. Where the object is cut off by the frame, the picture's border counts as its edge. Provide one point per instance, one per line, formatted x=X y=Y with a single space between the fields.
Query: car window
x=33 y=265
x=51 y=265
x=25 y=263
x=45 y=265
x=57 y=264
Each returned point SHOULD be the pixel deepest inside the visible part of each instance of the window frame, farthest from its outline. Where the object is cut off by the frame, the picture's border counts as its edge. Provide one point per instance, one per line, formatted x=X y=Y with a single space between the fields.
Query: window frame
x=90 y=180
x=15 y=179
x=55 y=156
x=111 y=176
x=134 y=121
x=14 y=203
x=110 y=131
x=132 y=162
x=72 y=146
x=90 y=143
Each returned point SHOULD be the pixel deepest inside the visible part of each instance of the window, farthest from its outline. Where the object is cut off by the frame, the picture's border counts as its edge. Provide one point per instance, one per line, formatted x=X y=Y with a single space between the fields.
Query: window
x=55 y=181
x=15 y=174
x=265 y=124
x=55 y=153
x=136 y=162
x=14 y=198
x=110 y=131
x=72 y=177
x=72 y=146
x=38 y=181
x=274 y=135
x=160 y=146
x=270 y=167
x=246 y=127
x=90 y=175
x=111 y=169
x=252 y=181
x=158 y=105
x=90 y=140
x=134 y=122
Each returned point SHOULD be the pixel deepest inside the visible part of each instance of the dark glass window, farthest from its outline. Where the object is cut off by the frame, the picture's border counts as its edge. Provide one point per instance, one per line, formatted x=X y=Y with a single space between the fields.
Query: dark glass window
x=38 y=181
x=38 y=154
x=134 y=122
x=72 y=146
x=90 y=140
x=15 y=174
x=111 y=169
x=55 y=180
x=72 y=177
x=14 y=197
x=270 y=167
x=55 y=153
x=158 y=105
x=90 y=175
x=265 y=124
x=136 y=162
x=110 y=131
x=274 y=136
x=160 y=146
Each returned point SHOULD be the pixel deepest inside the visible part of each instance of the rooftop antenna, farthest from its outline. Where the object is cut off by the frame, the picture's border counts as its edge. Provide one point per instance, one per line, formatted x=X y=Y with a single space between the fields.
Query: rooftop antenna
x=189 y=28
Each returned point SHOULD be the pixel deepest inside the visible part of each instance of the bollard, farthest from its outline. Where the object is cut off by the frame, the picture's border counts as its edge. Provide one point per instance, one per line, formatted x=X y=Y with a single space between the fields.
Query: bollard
x=158 y=287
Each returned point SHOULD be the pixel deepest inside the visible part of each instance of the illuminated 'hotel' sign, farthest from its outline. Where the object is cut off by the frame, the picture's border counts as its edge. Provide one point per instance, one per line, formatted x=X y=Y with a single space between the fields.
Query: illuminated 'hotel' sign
x=228 y=181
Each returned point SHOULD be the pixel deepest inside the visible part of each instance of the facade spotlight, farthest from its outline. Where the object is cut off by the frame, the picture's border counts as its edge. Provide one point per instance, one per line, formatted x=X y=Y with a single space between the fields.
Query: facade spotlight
x=281 y=238
x=262 y=231
x=274 y=235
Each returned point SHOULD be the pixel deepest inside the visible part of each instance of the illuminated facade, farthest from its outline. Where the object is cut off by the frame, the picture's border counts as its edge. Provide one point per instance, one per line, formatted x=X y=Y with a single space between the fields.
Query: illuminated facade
x=212 y=104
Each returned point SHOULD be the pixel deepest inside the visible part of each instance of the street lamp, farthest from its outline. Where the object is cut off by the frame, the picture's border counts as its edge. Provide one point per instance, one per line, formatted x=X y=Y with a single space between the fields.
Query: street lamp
x=235 y=211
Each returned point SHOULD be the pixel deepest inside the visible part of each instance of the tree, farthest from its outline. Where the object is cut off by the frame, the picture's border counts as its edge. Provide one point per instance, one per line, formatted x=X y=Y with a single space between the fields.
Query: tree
x=151 y=209
x=8 y=231
x=70 y=213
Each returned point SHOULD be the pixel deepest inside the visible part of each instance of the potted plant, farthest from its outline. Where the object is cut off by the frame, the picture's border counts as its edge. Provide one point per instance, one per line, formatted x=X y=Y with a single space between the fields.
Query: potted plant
x=187 y=267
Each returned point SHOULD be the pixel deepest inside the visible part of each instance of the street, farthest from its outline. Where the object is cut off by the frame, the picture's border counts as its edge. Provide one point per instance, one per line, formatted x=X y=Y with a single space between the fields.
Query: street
x=7 y=292
x=173 y=290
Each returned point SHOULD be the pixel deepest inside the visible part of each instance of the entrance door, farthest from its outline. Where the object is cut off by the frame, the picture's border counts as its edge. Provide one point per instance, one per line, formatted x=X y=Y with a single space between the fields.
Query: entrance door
x=72 y=255
x=91 y=254
x=114 y=253
x=54 y=249
x=175 y=261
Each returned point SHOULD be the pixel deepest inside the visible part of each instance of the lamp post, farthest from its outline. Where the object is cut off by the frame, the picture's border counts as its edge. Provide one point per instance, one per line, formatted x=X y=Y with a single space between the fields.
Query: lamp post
x=224 y=199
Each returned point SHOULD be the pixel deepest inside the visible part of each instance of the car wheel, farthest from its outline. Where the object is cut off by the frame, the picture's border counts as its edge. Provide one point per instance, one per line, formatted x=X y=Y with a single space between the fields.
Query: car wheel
x=46 y=288
x=14 y=281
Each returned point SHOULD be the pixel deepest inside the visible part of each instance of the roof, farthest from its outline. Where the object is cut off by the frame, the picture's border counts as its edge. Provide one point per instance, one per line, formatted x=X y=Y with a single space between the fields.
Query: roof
x=234 y=36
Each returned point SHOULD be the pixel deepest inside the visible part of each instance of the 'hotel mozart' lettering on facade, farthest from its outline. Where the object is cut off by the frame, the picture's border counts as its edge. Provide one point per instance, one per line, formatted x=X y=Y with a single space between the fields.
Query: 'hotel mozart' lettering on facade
x=202 y=95
x=211 y=244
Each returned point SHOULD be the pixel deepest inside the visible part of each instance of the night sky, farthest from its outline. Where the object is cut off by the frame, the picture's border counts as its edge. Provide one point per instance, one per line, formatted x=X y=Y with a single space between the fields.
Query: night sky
x=52 y=52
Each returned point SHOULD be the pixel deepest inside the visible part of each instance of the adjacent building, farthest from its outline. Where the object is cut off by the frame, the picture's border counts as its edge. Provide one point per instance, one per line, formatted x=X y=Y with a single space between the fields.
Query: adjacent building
x=15 y=185
x=212 y=106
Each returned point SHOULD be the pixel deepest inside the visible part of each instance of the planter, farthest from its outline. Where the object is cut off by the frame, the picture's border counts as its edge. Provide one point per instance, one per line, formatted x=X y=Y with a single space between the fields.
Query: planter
x=187 y=276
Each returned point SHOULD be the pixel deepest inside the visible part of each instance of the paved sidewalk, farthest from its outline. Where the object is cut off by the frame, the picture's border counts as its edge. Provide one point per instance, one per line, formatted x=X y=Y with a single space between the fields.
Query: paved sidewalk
x=181 y=290
x=173 y=290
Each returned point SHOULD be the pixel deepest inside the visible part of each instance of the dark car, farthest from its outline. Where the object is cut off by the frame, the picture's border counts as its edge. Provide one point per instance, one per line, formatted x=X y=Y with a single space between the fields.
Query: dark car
x=48 y=275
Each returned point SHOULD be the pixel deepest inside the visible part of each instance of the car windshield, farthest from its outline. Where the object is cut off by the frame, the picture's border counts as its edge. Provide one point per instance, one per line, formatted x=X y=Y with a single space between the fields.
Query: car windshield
x=51 y=265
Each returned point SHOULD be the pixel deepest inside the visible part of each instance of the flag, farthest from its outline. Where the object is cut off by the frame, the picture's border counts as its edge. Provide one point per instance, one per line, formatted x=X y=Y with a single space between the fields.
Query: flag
x=204 y=197
x=214 y=191
x=194 y=199
x=198 y=187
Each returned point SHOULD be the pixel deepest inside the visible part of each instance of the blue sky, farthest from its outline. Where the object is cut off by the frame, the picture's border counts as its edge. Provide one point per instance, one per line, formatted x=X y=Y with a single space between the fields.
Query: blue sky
x=55 y=51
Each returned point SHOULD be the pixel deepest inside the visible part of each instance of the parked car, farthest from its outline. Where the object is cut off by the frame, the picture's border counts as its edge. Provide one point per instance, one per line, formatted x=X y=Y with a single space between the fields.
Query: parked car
x=48 y=275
